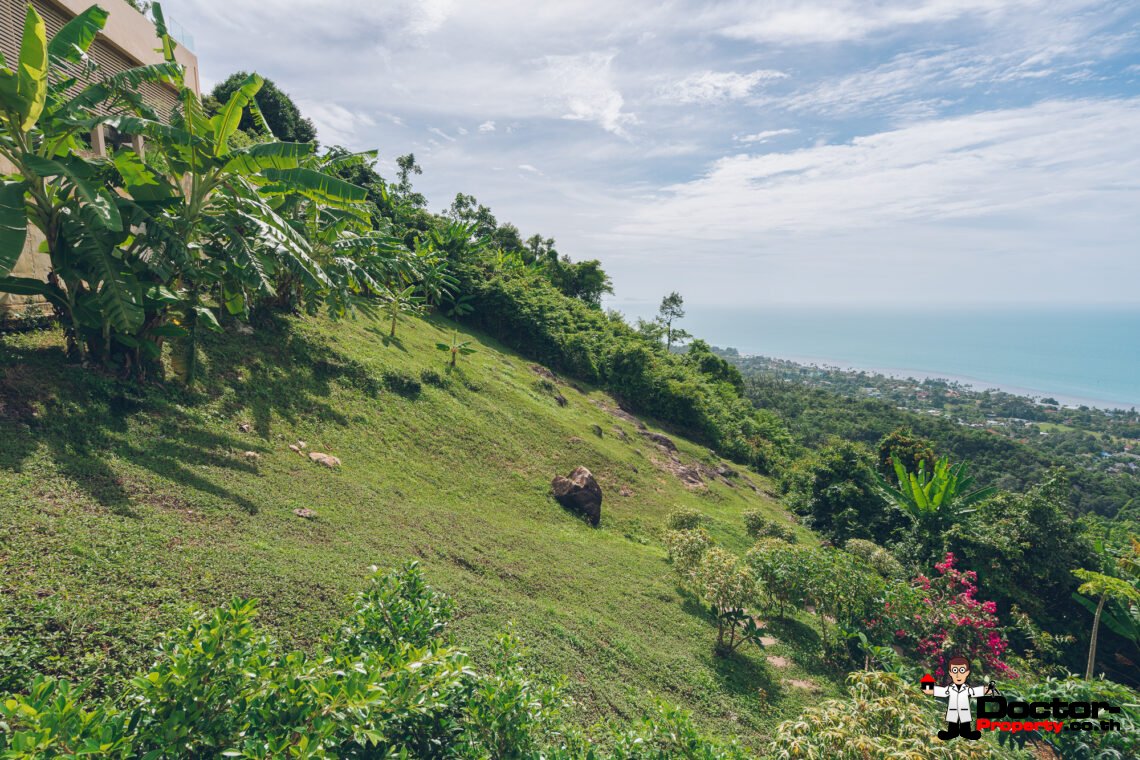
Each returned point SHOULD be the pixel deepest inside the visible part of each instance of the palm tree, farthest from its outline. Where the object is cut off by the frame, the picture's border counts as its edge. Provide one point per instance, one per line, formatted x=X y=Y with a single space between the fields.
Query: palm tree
x=1105 y=587
x=933 y=500
x=455 y=348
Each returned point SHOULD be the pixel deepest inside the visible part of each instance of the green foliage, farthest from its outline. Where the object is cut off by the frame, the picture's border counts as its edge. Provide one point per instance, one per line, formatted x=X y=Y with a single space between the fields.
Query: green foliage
x=902 y=444
x=142 y=253
x=686 y=548
x=882 y=717
x=759 y=525
x=933 y=500
x=876 y=557
x=389 y=684
x=726 y=586
x=1110 y=745
x=523 y=310
x=835 y=490
x=282 y=119
x=455 y=348
x=684 y=519
x=671 y=311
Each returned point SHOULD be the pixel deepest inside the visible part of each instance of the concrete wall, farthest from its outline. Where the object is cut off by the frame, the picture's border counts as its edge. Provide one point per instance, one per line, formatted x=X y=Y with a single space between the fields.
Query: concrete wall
x=127 y=40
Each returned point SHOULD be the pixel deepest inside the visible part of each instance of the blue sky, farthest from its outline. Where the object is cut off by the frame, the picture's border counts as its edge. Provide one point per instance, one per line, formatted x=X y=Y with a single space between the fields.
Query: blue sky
x=926 y=152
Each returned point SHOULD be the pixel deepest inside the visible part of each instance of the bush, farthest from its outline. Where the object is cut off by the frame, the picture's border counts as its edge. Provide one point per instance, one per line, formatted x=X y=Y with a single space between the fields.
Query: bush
x=1106 y=744
x=700 y=395
x=686 y=548
x=876 y=557
x=882 y=717
x=759 y=526
x=684 y=519
x=390 y=683
x=433 y=378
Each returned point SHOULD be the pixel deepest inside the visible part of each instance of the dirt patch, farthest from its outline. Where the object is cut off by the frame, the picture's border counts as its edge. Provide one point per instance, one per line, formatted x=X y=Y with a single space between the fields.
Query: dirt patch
x=767 y=641
x=777 y=661
x=799 y=683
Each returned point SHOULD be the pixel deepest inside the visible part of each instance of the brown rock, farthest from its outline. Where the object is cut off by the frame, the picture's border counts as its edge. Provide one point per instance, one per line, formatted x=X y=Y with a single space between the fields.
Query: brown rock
x=542 y=371
x=294 y=448
x=580 y=493
x=597 y=430
x=245 y=427
x=306 y=513
x=251 y=455
x=328 y=460
x=663 y=441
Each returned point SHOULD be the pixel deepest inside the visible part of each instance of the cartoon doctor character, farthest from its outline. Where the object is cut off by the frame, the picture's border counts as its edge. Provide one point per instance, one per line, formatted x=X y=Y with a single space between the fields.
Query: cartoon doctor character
x=957 y=694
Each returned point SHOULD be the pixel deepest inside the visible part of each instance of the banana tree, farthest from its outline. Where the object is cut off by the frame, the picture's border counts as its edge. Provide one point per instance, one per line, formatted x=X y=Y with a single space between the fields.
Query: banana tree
x=399 y=302
x=49 y=100
x=455 y=348
x=935 y=499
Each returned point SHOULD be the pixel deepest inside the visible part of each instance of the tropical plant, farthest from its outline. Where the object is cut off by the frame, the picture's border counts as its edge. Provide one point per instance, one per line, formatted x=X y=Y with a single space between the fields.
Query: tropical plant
x=933 y=500
x=727 y=587
x=758 y=525
x=684 y=519
x=142 y=251
x=881 y=716
x=685 y=549
x=455 y=348
x=1103 y=588
x=399 y=302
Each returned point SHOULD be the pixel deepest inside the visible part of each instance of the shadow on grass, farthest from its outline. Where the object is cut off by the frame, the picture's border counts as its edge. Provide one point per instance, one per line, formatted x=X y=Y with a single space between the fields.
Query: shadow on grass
x=85 y=418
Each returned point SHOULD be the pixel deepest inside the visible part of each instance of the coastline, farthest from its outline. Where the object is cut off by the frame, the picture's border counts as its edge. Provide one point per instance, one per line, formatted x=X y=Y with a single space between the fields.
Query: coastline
x=974 y=384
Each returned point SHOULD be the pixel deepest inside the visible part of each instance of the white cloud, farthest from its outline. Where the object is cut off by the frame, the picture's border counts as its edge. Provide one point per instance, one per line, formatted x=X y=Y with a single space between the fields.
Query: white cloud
x=336 y=124
x=440 y=133
x=1027 y=165
x=529 y=168
x=719 y=86
x=487 y=126
x=585 y=91
x=766 y=135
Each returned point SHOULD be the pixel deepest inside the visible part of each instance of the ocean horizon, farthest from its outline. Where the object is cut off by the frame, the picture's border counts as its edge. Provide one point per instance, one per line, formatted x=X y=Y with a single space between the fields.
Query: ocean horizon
x=1076 y=355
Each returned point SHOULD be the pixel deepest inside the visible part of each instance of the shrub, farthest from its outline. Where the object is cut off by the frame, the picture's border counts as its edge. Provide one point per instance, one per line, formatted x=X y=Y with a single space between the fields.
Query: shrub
x=402 y=383
x=686 y=547
x=1101 y=744
x=433 y=378
x=949 y=620
x=684 y=519
x=390 y=683
x=876 y=557
x=727 y=587
x=759 y=526
x=882 y=717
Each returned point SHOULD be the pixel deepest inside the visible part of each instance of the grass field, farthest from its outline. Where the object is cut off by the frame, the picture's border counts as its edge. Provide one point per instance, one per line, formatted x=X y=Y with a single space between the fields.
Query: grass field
x=120 y=507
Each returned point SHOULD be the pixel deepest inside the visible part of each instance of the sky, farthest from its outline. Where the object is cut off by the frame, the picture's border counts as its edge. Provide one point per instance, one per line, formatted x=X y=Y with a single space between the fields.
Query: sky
x=892 y=152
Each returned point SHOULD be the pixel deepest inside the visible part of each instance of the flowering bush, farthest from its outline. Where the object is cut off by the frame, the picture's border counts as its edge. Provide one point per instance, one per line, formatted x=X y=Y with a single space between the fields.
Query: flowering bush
x=941 y=617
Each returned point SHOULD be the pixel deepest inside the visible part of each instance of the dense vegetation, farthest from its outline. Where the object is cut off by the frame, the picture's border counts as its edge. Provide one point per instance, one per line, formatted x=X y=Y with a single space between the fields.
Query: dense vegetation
x=231 y=260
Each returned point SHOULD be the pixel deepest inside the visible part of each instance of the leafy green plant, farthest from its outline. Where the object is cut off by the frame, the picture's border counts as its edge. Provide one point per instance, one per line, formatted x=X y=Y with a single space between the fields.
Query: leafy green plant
x=759 y=526
x=1103 y=587
x=684 y=519
x=455 y=348
x=727 y=587
x=398 y=303
x=933 y=500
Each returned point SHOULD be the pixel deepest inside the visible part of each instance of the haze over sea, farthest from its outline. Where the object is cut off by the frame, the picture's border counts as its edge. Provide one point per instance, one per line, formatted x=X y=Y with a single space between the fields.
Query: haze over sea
x=1076 y=355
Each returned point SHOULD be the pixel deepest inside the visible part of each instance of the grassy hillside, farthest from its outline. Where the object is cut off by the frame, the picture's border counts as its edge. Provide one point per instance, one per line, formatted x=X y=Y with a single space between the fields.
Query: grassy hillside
x=120 y=507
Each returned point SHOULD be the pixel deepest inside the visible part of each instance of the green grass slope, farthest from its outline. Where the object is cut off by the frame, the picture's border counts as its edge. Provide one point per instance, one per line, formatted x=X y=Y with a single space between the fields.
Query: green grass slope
x=120 y=507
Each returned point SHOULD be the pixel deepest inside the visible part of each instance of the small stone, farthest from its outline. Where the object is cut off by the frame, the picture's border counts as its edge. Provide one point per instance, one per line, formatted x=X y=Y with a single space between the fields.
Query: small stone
x=301 y=444
x=663 y=441
x=306 y=513
x=251 y=455
x=597 y=430
x=243 y=329
x=561 y=399
x=294 y=448
x=327 y=460
x=245 y=427
x=626 y=491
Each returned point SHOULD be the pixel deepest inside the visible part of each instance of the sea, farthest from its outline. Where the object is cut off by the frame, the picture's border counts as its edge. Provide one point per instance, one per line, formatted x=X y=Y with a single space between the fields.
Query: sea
x=1087 y=356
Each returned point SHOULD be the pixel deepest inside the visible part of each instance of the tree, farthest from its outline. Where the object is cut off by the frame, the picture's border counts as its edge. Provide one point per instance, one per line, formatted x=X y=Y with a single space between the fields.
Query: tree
x=398 y=302
x=727 y=587
x=835 y=489
x=281 y=115
x=1103 y=588
x=932 y=500
x=909 y=448
x=672 y=310
x=584 y=280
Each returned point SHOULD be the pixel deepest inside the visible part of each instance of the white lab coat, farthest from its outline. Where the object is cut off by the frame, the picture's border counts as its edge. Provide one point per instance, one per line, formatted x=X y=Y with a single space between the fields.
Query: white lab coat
x=958 y=701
